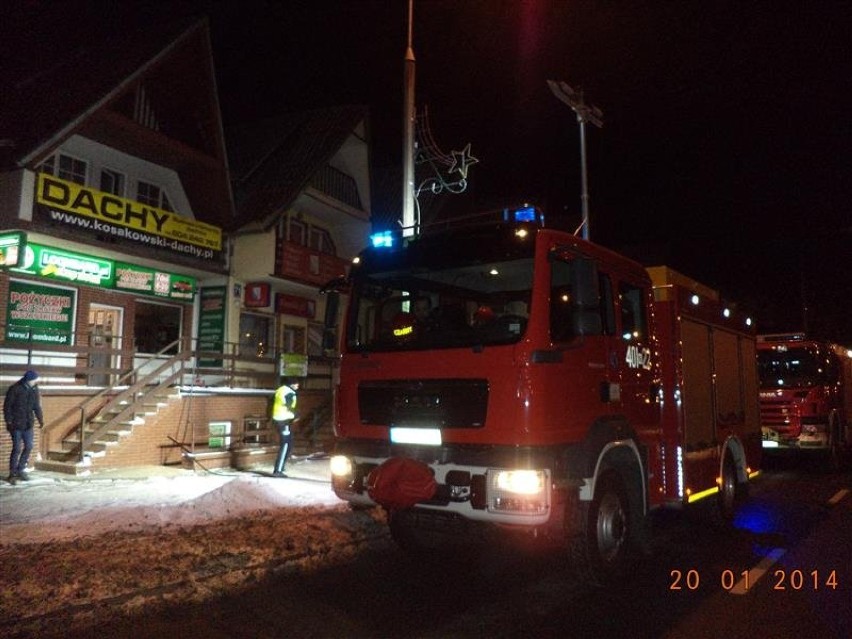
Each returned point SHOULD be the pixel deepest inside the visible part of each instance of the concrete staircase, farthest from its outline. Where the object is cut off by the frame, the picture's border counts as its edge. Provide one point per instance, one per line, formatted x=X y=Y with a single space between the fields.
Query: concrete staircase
x=105 y=431
x=111 y=414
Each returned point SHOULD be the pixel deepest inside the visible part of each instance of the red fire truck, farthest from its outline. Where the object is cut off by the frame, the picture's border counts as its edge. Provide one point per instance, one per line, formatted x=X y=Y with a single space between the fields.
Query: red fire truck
x=510 y=376
x=805 y=396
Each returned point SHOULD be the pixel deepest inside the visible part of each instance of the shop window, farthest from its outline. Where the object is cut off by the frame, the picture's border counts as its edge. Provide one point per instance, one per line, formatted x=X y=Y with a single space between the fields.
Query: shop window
x=156 y=327
x=112 y=182
x=256 y=335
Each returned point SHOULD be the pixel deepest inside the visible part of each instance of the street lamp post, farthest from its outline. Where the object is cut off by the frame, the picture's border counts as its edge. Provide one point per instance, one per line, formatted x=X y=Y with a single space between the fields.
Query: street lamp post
x=585 y=113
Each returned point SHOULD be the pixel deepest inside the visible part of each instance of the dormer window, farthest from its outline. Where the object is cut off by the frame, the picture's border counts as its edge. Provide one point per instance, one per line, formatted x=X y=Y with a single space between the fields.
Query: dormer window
x=112 y=182
x=152 y=195
x=68 y=168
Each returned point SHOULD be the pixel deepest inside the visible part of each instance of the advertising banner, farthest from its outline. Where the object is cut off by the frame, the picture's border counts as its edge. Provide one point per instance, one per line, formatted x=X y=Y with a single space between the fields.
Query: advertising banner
x=40 y=314
x=12 y=246
x=129 y=277
x=211 y=323
x=293 y=365
x=69 y=266
x=85 y=208
x=57 y=264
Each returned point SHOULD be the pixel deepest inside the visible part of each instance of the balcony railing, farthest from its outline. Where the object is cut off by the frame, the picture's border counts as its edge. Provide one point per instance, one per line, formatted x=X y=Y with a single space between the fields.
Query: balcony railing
x=302 y=264
x=338 y=185
x=81 y=364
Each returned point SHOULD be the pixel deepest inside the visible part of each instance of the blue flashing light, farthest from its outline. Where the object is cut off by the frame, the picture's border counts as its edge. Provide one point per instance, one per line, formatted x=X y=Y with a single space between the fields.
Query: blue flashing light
x=757 y=519
x=526 y=214
x=383 y=239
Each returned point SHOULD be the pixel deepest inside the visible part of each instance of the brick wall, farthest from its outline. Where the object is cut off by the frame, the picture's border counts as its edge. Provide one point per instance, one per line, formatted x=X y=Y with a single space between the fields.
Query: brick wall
x=183 y=419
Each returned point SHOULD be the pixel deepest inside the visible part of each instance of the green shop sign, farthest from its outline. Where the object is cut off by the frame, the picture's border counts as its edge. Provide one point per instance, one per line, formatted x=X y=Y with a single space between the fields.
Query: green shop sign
x=129 y=277
x=293 y=365
x=40 y=314
x=12 y=248
x=56 y=264
x=68 y=266
x=211 y=324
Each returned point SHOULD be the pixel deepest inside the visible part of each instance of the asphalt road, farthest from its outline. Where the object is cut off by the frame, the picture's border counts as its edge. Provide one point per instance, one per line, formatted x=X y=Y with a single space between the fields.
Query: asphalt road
x=785 y=570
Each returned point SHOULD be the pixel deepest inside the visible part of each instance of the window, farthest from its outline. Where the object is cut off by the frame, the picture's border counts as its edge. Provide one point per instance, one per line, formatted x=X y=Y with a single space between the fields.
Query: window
x=633 y=322
x=296 y=231
x=112 y=182
x=72 y=169
x=48 y=166
x=321 y=241
x=607 y=305
x=156 y=326
x=315 y=335
x=292 y=339
x=152 y=195
x=256 y=335
x=561 y=326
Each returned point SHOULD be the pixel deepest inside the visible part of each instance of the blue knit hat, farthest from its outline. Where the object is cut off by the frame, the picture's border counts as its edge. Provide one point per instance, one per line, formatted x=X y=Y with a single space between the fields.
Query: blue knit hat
x=30 y=376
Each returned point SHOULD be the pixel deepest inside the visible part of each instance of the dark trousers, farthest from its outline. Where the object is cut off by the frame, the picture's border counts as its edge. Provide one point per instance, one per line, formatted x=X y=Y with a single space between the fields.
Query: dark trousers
x=286 y=437
x=22 y=444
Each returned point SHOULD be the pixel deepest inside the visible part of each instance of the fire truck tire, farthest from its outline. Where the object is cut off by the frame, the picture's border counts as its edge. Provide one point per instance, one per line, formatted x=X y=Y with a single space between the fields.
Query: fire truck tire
x=732 y=493
x=600 y=545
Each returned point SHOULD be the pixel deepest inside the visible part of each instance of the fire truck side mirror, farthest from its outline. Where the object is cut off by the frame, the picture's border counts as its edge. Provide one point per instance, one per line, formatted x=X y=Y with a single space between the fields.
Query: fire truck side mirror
x=585 y=296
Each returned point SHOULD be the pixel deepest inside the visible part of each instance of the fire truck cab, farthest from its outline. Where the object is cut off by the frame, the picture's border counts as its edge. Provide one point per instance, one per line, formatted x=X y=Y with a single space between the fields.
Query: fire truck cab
x=514 y=377
x=805 y=396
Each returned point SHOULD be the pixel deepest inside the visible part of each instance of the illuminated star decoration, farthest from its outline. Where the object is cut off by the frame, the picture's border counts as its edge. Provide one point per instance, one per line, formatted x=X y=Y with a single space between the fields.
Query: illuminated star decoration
x=462 y=161
x=440 y=167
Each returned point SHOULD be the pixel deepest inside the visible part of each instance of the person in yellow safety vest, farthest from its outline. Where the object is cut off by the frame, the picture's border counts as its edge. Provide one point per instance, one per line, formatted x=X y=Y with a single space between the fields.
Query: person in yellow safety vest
x=283 y=414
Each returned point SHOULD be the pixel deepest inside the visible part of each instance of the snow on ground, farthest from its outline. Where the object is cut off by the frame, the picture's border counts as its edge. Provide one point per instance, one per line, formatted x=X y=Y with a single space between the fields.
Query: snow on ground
x=75 y=551
x=50 y=507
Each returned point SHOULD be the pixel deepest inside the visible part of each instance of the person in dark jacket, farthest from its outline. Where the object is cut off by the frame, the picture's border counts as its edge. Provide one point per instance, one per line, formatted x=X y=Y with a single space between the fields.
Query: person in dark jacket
x=21 y=408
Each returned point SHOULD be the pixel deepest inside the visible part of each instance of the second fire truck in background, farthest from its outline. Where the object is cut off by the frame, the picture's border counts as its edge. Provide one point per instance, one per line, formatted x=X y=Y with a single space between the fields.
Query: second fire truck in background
x=805 y=396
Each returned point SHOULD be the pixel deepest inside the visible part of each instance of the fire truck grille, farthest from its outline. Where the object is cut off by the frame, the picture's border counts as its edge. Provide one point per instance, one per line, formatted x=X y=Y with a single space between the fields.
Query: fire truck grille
x=428 y=403
x=775 y=414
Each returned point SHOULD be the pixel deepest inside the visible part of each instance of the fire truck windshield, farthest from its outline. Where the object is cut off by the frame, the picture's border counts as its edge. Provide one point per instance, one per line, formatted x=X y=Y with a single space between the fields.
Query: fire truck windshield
x=795 y=367
x=464 y=305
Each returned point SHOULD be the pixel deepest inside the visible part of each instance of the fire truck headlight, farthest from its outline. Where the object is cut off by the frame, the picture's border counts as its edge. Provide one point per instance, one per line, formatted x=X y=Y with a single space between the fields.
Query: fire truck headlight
x=519 y=491
x=341 y=466
x=524 y=482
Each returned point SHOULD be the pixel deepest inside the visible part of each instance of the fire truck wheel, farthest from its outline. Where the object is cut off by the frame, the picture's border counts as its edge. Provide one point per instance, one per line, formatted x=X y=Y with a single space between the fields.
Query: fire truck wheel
x=601 y=547
x=732 y=493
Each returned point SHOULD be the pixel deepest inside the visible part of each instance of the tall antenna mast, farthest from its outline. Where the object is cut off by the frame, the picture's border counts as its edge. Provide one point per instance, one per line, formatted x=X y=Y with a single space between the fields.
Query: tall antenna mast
x=408 y=120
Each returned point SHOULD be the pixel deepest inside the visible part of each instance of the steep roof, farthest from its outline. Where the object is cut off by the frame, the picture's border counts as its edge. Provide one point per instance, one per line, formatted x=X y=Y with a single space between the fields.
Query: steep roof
x=63 y=79
x=272 y=161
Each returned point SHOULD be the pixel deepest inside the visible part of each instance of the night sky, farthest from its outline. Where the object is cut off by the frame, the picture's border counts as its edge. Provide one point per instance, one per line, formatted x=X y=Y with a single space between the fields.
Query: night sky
x=727 y=129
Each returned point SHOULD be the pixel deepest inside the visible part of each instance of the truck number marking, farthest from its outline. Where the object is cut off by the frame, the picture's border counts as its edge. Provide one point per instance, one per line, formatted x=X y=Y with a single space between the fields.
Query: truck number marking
x=638 y=358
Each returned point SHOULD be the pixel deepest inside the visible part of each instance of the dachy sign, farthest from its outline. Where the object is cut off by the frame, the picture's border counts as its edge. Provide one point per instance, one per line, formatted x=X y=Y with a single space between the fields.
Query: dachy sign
x=105 y=214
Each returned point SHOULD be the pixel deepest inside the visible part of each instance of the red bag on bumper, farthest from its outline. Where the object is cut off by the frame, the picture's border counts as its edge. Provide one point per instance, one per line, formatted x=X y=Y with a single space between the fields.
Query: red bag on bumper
x=400 y=483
